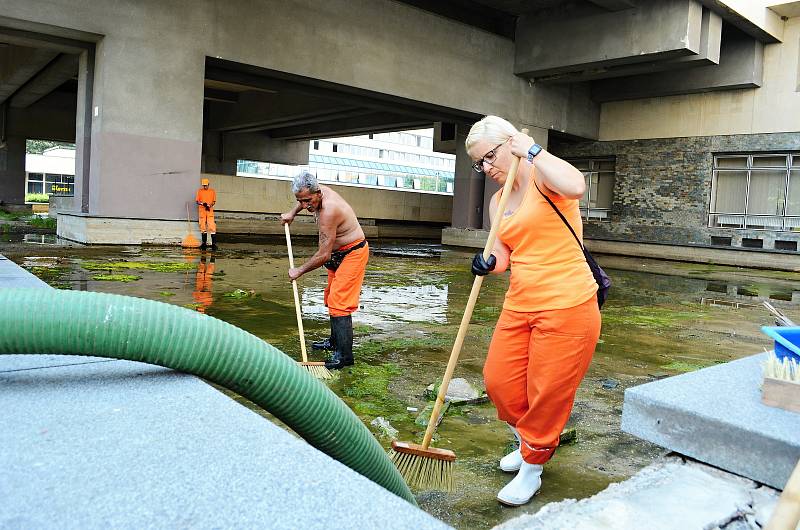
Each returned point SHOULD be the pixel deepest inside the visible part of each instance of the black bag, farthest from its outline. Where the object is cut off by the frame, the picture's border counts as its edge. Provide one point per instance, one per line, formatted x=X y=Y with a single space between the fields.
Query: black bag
x=602 y=279
x=337 y=256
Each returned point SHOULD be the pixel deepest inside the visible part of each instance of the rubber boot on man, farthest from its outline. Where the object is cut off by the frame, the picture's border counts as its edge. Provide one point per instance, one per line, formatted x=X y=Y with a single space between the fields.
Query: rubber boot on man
x=342 y=342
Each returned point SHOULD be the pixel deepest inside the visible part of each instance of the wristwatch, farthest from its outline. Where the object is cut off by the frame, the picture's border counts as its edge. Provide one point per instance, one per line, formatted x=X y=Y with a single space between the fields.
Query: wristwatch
x=533 y=151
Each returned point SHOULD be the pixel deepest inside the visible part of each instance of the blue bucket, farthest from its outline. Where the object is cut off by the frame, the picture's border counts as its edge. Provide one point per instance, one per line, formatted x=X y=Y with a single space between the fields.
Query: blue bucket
x=787 y=341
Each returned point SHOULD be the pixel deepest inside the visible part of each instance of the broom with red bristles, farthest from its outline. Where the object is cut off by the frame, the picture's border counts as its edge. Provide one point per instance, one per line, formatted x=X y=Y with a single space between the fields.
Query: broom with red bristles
x=317 y=369
x=426 y=467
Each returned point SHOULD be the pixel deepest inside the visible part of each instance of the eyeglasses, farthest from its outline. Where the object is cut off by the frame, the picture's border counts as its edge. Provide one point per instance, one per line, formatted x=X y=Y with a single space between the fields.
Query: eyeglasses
x=489 y=158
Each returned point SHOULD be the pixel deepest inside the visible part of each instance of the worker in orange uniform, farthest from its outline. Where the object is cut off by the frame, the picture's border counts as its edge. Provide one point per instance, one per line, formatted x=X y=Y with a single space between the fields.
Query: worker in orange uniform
x=202 y=284
x=550 y=323
x=206 y=198
x=343 y=250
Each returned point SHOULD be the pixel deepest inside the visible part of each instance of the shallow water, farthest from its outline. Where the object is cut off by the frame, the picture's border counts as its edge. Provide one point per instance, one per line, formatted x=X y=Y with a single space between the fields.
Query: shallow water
x=659 y=321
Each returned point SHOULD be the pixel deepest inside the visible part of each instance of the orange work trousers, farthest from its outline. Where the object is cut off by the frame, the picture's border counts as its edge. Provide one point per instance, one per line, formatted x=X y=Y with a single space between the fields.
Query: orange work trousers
x=534 y=366
x=206 y=218
x=344 y=285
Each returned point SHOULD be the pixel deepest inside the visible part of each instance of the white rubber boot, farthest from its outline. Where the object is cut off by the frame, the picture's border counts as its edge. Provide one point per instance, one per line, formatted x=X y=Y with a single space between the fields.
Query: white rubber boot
x=523 y=487
x=513 y=460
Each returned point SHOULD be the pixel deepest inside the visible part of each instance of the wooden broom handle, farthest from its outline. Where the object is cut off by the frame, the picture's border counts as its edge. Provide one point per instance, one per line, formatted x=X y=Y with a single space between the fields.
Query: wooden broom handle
x=787 y=511
x=473 y=298
x=296 y=296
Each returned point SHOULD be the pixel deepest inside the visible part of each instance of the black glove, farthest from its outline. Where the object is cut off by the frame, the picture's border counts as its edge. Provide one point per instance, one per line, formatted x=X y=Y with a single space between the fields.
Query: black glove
x=481 y=267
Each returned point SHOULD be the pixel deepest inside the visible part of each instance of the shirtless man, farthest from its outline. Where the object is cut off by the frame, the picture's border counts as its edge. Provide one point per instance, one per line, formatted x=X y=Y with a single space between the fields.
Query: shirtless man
x=343 y=250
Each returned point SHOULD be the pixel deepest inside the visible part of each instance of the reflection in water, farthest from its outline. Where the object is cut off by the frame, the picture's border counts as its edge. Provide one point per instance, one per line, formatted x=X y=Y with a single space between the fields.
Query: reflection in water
x=202 y=284
x=379 y=305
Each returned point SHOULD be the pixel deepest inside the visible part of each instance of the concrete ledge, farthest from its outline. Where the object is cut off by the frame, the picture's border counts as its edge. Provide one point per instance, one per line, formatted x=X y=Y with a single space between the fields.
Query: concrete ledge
x=715 y=416
x=666 y=495
x=759 y=259
x=12 y=275
x=95 y=230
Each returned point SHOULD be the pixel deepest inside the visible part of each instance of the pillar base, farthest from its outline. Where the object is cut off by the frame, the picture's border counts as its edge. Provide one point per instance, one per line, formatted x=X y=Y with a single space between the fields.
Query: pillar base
x=98 y=230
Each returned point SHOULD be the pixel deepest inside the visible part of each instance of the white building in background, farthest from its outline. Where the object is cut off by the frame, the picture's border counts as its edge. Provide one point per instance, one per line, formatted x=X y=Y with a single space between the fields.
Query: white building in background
x=403 y=159
x=52 y=172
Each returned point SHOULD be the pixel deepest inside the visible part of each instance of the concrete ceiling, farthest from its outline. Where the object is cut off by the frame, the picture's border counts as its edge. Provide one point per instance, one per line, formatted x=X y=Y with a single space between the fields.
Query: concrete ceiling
x=27 y=74
x=246 y=99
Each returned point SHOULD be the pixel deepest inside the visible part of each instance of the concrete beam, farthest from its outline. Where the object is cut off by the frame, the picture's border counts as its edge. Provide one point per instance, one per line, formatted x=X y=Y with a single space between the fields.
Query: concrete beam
x=654 y=30
x=786 y=9
x=613 y=5
x=18 y=65
x=373 y=122
x=55 y=74
x=708 y=54
x=260 y=110
x=754 y=18
x=741 y=65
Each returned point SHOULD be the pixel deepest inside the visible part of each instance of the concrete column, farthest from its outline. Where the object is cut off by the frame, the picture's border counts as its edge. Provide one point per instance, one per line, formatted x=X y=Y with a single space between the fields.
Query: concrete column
x=468 y=186
x=12 y=171
x=83 y=135
x=146 y=116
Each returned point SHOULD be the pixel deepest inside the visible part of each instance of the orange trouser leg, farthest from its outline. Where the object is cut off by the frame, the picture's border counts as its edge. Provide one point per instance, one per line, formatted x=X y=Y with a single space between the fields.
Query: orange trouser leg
x=206 y=219
x=344 y=285
x=535 y=363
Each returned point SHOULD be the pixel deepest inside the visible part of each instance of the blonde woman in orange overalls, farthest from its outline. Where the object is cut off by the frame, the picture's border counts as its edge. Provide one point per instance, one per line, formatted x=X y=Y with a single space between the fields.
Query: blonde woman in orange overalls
x=546 y=334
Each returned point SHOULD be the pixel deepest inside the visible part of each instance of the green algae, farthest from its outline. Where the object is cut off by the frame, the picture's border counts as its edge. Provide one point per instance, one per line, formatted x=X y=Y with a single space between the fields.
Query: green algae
x=684 y=367
x=647 y=316
x=239 y=293
x=166 y=293
x=53 y=276
x=125 y=278
x=157 y=266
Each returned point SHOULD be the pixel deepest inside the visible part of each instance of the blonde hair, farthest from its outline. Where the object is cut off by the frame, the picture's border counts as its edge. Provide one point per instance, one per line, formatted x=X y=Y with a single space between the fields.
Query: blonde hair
x=492 y=129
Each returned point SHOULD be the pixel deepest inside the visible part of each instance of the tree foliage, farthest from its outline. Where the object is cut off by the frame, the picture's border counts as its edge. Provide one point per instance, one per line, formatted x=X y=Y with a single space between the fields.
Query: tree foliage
x=37 y=147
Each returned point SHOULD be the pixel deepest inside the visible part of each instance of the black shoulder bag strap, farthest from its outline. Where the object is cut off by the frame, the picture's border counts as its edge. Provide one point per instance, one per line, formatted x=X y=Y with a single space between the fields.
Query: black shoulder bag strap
x=602 y=279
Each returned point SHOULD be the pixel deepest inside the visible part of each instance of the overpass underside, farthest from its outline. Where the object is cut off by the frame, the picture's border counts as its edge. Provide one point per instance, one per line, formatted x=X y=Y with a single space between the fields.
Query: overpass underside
x=155 y=94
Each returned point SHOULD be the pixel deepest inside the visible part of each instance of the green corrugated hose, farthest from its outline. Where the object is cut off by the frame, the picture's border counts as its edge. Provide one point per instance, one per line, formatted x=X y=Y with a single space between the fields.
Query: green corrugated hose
x=50 y=321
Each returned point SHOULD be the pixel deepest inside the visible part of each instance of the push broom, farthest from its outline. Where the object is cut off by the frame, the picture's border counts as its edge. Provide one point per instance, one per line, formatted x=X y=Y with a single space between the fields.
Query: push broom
x=189 y=241
x=317 y=369
x=426 y=467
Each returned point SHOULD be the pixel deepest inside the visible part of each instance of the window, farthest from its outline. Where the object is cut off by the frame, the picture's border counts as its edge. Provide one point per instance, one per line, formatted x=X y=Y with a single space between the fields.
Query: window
x=316 y=145
x=756 y=191
x=335 y=148
x=599 y=176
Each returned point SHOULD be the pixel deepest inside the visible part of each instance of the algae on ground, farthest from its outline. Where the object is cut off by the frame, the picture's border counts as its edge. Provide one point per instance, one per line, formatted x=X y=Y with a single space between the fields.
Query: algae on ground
x=116 y=278
x=157 y=266
x=53 y=276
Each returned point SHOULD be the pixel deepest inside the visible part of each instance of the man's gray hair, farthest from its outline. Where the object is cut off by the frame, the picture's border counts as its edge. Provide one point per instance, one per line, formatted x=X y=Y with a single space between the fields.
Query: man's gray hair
x=305 y=180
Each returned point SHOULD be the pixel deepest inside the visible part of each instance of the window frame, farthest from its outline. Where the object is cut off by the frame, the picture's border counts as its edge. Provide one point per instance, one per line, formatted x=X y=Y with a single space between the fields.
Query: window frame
x=747 y=219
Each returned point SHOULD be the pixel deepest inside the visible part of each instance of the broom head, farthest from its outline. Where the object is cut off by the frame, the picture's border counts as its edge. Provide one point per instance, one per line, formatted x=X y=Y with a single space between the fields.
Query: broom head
x=425 y=469
x=190 y=241
x=317 y=369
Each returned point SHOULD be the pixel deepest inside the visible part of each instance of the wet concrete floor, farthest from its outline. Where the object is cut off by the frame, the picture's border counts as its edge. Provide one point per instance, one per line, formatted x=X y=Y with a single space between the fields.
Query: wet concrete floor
x=662 y=319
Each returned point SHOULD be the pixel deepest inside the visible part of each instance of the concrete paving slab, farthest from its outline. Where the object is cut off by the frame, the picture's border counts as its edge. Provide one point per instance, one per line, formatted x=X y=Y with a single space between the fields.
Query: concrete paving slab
x=95 y=443
x=715 y=415
x=12 y=275
x=663 y=496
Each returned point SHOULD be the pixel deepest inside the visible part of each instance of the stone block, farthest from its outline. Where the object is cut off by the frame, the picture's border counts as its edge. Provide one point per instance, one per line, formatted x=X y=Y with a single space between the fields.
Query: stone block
x=715 y=415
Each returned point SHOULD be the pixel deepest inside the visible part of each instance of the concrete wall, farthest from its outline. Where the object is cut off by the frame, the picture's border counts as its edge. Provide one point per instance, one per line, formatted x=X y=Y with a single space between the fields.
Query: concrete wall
x=662 y=187
x=775 y=107
x=271 y=196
